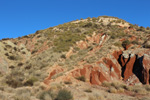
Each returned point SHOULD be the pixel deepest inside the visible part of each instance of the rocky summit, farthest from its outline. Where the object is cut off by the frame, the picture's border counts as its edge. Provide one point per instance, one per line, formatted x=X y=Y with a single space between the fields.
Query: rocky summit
x=103 y=58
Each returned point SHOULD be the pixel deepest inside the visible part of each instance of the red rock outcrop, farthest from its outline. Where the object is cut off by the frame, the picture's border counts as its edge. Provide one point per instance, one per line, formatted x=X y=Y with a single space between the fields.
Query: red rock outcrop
x=127 y=63
x=146 y=69
x=135 y=67
x=108 y=69
x=54 y=71
x=82 y=44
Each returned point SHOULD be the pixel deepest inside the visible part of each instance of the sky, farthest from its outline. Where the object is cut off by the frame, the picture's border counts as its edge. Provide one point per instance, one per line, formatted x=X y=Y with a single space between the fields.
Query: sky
x=23 y=17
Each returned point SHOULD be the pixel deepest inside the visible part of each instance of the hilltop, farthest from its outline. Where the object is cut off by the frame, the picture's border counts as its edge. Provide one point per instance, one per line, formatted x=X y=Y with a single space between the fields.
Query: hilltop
x=103 y=58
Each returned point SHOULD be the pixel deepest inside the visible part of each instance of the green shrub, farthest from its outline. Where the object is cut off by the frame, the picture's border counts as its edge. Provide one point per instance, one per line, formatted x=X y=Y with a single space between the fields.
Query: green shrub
x=106 y=84
x=46 y=95
x=141 y=29
x=63 y=56
x=118 y=44
x=68 y=82
x=64 y=95
x=12 y=57
x=135 y=42
x=147 y=45
x=88 y=90
x=15 y=79
x=30 y=81
x=88 y=24
x=65 y=41
x=81 y=78
x=125 y=43
x=147 y=87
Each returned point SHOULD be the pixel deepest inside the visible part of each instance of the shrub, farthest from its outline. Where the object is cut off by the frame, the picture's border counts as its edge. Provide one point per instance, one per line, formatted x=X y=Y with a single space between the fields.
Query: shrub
x=66 y=40
x=147 y=45
x=68 y=82
x=141 y=29
x=125 y=43
x=148 y=28
x=129 y=88
x=46 y=95
x=12 y=67
x=20 y=64
x=106 y=84
x=88 y=24
x=63 y=56
x=6 y=54
x=113 y=36
x=81 y=78
x=120 y=89
x=34 y=51
x=94 y=19
x=140 y=90
x=118 y=44
x=116 y=85
x=147 y=87
x=12 y=58
x=64 y=95
x=15 y=79
x=30 y=81
x=135 y=42
x=112 y=90
x=88 y=90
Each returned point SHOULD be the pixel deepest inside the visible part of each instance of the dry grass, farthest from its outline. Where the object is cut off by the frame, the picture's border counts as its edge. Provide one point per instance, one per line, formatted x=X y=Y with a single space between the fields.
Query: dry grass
x=112 y=90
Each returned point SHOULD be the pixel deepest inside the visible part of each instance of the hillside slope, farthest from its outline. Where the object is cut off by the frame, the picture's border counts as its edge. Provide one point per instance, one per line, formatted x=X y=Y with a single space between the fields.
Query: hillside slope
x=94 y=58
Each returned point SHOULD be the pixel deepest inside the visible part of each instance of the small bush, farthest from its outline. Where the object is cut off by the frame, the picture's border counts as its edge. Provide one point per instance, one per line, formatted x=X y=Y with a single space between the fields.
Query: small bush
x=147 y=87
x=12 y=58
x=116 y=85
x=112 y=90
x=34 y=51
x=46 y=95
x=64 y=95
x=120 y=90
x=6 y=54
x=30 y=81
x=88 y=24
x=15 y=79
x=81 y=78
x=20 y=64
x=68 y=82
x=135 y=42
x=140 y=90
x=125 y=43
x=118 y=44
x=63 y=56
x=106 y=84
x=129 y=88
x=88 y=90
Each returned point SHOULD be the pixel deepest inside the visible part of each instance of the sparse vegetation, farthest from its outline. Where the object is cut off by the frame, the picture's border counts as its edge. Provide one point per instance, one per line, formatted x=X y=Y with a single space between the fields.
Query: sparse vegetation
x=64 y=95
x=125 y=43
x=88 y=90
x=81 y=78
x=26 y=62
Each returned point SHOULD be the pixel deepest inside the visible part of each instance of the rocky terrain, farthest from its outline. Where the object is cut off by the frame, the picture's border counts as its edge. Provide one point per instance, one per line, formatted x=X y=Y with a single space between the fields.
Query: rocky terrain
x=103 y=58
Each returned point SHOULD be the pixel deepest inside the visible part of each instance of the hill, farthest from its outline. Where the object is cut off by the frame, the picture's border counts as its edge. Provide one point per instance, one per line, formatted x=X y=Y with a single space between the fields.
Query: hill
x=103 y=58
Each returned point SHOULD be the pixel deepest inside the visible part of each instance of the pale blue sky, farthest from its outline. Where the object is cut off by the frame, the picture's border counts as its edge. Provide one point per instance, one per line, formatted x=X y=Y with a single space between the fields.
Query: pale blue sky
x=22 y=17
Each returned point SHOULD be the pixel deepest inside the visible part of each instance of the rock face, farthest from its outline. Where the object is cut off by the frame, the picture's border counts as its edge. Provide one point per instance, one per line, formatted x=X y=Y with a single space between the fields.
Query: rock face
x=135 y=68
x=54 y=71
x=146 y=69
x=127 y=61
x=128 y=66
